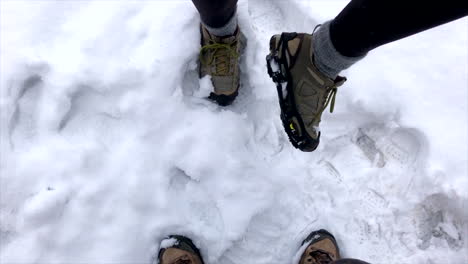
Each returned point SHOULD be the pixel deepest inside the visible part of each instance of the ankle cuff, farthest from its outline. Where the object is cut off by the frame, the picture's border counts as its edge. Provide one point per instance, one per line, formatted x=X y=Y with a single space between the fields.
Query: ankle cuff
x=326 y=58
x=227 y=30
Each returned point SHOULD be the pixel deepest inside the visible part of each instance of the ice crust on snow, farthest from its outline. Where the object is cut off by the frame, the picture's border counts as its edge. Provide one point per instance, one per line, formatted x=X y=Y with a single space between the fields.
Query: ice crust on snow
x=108 y=144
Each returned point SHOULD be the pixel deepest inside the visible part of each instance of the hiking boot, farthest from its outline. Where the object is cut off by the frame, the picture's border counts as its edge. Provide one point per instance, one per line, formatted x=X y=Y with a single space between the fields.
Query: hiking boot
x=303 y=91
x=219 y=58
x=179 y=250
x=322 y=248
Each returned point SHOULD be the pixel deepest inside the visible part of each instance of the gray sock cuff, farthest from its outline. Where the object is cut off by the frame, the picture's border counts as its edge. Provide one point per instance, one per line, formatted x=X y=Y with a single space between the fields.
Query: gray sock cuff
x=227 y=30
x=326 y=58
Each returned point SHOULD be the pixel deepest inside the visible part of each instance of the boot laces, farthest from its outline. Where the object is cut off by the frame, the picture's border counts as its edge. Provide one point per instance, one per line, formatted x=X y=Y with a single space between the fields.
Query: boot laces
x=183 y=260
x=330 y=100
x=222 y=54
x=320 y=257
x=330 y=97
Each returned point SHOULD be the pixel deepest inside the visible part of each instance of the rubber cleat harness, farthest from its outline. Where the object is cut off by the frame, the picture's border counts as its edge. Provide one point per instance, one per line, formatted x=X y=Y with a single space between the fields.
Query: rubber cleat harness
x=279 y=73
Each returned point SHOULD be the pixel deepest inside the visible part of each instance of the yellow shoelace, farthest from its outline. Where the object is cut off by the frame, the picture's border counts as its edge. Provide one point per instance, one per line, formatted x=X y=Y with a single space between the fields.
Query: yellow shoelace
x=329 y=101
x=222 y=54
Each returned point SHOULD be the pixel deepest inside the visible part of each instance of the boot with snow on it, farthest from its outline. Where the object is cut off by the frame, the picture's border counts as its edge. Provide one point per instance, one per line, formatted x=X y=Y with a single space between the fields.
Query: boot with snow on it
x=179 y=250
x=219 y=58
x=303 y=91
x=321 y=249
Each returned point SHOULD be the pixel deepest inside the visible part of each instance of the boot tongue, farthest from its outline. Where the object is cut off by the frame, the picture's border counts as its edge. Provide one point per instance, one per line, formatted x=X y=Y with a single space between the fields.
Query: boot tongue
x=225 y=39
x=207 y=36
x=228 y=39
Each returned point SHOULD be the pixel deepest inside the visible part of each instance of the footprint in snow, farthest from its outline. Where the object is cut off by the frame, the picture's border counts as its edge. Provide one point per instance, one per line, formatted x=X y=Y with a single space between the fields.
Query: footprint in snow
x=394 y=147
x=23 y=125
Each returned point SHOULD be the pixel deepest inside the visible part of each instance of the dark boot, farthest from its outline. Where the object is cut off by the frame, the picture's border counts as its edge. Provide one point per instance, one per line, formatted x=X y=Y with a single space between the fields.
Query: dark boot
x=179 y=250
x=321 y=249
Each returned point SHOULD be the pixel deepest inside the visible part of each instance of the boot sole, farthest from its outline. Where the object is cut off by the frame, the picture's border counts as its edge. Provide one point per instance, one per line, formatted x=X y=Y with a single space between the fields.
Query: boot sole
x=223 y=99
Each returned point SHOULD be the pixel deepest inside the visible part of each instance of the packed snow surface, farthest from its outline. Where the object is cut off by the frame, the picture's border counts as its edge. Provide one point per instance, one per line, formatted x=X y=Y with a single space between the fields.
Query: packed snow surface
x=108 y=144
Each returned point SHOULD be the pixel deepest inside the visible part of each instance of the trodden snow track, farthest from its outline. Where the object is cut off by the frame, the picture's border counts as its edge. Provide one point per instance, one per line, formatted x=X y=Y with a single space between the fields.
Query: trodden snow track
x=108 y=146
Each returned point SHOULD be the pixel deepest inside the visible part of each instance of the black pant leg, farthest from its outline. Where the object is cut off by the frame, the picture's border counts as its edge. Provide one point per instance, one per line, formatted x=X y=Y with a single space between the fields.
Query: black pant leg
x=215 y=13
x=364 y=25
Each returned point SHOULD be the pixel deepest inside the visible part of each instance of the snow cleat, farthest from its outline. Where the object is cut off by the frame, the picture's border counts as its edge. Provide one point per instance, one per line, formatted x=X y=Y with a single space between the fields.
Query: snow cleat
x=321 y=249
x=179 y=250
x=303 y=91
x=219 y=58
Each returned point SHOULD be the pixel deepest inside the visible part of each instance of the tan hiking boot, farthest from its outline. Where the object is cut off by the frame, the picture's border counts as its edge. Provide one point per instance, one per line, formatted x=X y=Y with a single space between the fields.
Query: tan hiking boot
x=219 y=58
x=322 y=248
x=179 y=250
x=303 y=91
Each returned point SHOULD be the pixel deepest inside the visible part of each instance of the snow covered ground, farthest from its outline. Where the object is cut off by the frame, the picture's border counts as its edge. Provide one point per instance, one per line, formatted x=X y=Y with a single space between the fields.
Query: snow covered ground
x=107 y=144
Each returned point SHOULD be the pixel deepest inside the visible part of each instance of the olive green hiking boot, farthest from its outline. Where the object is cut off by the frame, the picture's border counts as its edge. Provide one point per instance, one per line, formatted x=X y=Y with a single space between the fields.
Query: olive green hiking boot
x=219 y=58
x=303 y=91
x=179 y=250
x=321 y=249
